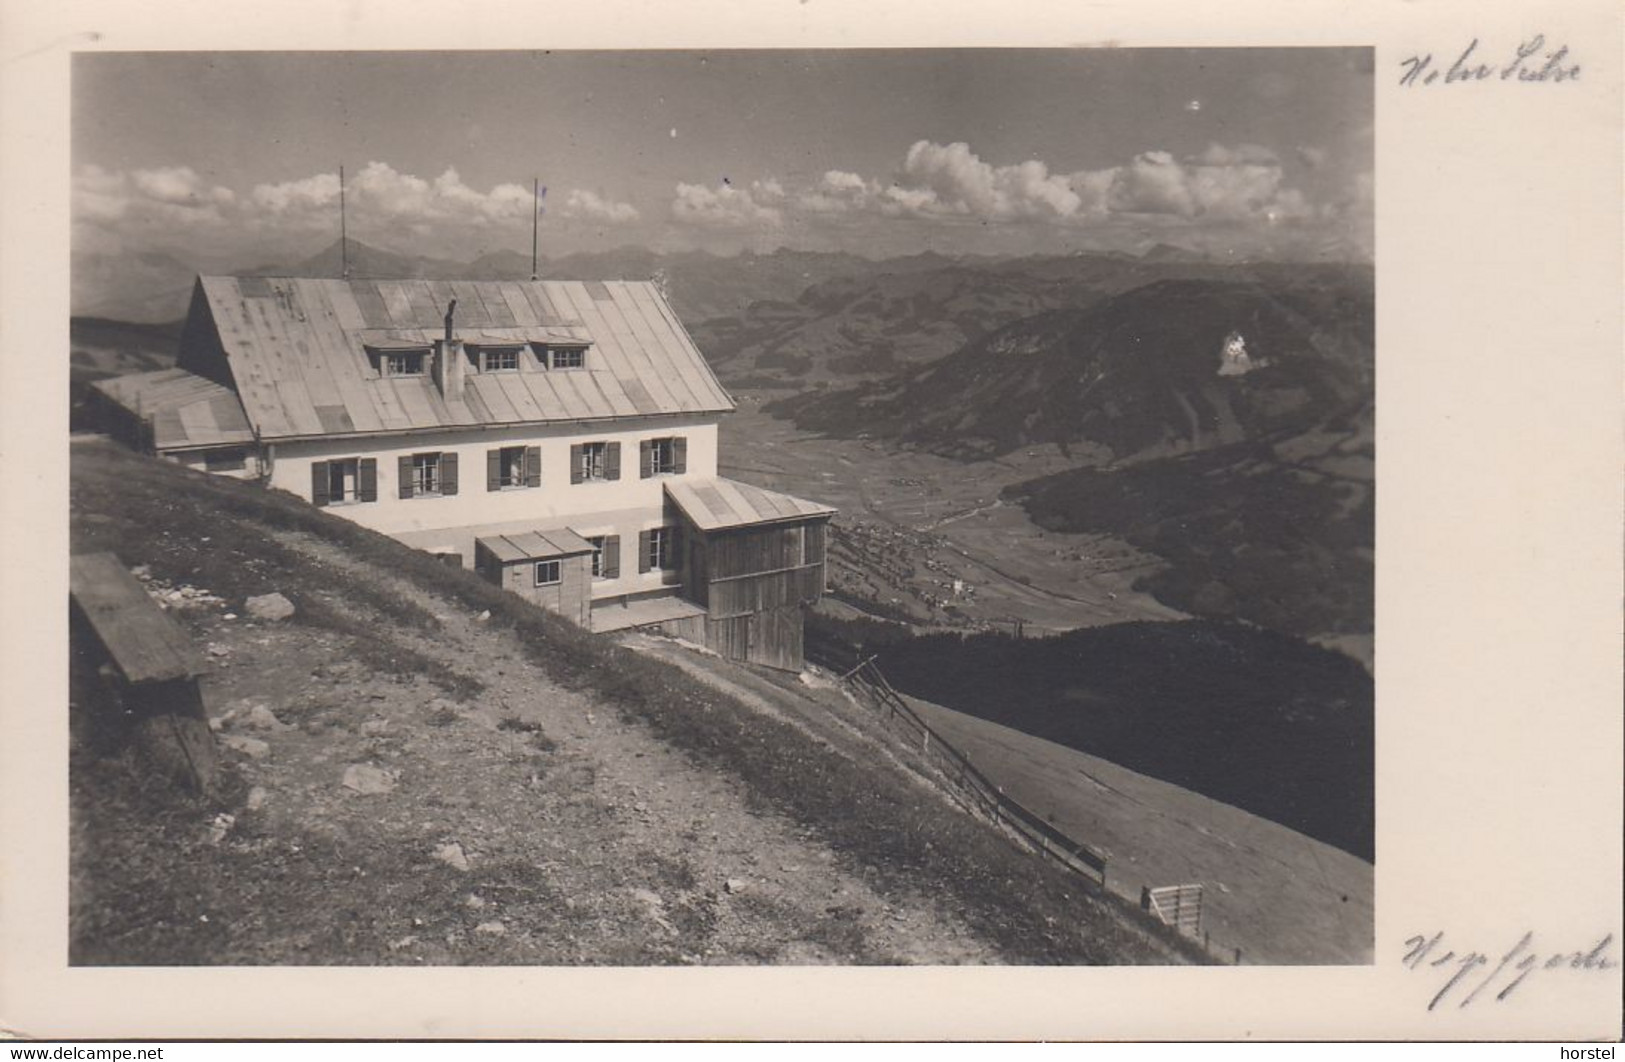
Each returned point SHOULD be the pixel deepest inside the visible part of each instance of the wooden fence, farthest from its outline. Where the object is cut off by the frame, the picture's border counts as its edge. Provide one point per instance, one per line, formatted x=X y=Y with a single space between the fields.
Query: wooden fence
x=974 y=787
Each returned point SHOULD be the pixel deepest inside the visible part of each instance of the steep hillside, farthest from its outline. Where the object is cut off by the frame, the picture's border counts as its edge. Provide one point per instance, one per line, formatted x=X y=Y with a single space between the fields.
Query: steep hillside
x=1254 y=719
x=423 y=769
x=1280 y=532
x=1134 y=375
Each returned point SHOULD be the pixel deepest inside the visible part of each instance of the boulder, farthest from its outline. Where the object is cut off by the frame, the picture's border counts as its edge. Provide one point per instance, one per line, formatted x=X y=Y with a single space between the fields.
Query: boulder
x=493 y=928
x=269 y=607
x=452 y=855
x=259 y=717
x=253 y=748
x=365 y=778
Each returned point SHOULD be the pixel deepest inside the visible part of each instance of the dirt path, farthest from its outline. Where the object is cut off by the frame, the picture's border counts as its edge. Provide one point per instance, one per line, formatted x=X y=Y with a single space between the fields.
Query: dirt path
x=586 y=840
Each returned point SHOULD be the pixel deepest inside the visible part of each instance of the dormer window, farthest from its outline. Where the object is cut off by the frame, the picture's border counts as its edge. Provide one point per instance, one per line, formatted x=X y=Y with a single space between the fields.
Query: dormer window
x=562 y=357
x=405 y=363
x=499 y=359
x=398 y=359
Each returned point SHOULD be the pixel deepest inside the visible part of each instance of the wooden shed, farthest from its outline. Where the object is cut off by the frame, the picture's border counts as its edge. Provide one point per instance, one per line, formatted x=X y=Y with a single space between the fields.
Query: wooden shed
x=754 y=559
x=552 y=568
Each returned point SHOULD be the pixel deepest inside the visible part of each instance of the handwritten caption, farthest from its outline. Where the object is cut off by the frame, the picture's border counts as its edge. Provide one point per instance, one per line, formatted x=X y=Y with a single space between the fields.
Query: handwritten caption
x=1462 y=970
x=1530 y=62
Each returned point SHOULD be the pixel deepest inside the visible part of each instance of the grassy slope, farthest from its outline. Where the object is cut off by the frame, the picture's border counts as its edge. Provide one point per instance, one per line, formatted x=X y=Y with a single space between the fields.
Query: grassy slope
x=1249 y=717
x=1279 y=896
x=211 y=532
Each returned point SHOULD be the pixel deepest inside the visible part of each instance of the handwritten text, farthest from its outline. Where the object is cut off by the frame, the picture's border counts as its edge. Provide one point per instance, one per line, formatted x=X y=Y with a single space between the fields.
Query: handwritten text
x=1530 y=62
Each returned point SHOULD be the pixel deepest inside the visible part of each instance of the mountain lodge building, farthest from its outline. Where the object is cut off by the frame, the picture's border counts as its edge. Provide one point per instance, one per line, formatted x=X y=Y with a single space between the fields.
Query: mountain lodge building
x=559 y=437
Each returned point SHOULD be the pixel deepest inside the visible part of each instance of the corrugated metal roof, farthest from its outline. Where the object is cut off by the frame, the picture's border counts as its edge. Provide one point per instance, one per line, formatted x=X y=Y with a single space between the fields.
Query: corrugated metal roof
x=714 y=504
x=535 y=545
x=296 y=345
x=186 y=410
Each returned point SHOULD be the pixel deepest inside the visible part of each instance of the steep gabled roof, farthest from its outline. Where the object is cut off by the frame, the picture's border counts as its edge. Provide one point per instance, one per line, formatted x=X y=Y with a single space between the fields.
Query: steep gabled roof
x=297 y=350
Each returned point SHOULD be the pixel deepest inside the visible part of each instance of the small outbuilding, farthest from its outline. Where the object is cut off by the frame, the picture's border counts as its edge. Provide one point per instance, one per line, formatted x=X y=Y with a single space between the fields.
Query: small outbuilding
x=552 y=568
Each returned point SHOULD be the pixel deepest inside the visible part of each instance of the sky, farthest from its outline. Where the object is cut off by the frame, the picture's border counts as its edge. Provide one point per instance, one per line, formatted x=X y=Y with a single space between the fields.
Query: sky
x=232 y=158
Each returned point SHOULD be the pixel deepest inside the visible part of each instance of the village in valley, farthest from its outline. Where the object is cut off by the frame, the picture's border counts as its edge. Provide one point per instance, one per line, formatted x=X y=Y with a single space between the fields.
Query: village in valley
x=609 y=562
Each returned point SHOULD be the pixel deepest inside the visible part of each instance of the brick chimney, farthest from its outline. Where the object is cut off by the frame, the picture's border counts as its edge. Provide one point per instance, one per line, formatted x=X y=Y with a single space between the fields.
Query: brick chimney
x=448 y=360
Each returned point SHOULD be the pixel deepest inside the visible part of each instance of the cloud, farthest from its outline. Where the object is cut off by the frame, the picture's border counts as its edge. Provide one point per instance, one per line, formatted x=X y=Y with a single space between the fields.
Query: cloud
x=1154 y=183
x=589 y=206
x=1239 y=183
x=147 y=198
x=178 y=186
x=318 y=192
x=729 y=206
x=1243 y=182
x=951 y=179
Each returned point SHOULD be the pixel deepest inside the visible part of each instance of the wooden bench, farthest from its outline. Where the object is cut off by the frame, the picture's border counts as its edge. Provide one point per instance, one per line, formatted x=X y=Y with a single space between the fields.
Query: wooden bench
x=149 y=662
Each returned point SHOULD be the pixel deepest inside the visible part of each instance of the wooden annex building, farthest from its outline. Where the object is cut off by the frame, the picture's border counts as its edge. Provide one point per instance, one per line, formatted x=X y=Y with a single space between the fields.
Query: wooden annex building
x=558 y=437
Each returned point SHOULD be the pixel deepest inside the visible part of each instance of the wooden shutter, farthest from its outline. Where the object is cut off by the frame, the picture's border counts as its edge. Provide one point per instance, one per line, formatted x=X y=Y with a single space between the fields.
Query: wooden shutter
x=404 y=474
x=368 y=479
x=575 y=463
x=318 y=483
x=612 y=461
x=493 y=470
x=646 y=463
x=643 y=552
x=448 y=473
x=533 y=466
x=679 y=454
x=610 y=566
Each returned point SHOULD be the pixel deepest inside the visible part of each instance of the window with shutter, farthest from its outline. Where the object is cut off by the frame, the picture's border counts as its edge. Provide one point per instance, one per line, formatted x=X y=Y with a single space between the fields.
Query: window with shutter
x=662 y=457
x=427 y=475
x=343 y=481
x=514 y=466
x=657 y=549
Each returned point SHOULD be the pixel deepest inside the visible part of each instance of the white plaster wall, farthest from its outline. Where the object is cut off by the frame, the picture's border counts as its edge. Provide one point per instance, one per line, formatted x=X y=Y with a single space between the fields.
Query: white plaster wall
x=624 y=506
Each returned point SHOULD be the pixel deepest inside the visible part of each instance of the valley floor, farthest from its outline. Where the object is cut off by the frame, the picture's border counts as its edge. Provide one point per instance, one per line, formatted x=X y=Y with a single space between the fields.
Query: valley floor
x=911 y=523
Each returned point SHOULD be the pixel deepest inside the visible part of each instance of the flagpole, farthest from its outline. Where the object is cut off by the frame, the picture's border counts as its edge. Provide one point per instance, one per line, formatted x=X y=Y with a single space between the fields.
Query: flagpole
x=535 y=215
x=344 y=232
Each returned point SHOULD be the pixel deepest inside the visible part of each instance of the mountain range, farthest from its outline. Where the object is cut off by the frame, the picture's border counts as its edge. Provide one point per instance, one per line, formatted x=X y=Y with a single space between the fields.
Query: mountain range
x=1223 y=423
x=154 y=287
